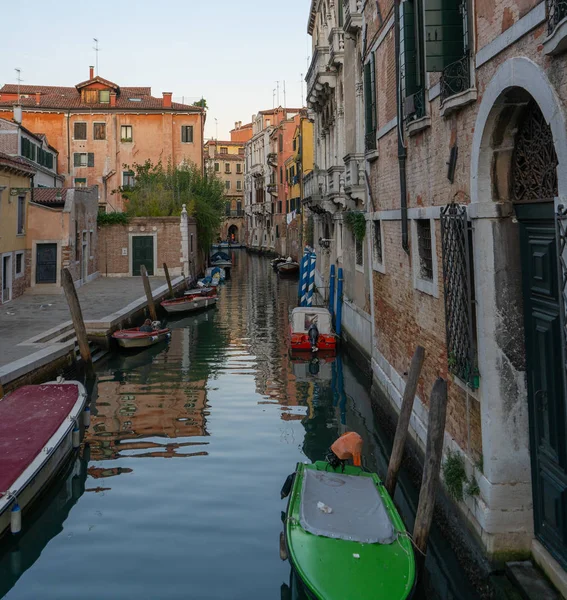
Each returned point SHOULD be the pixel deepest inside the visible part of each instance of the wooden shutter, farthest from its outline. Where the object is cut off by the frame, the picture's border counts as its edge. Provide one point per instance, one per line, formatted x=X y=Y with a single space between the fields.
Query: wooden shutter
x=368 y=97
x=374 y=114
x=408 y=50
x=444 y=34
x=80 y=131
x=90 y=159
x=99 y=131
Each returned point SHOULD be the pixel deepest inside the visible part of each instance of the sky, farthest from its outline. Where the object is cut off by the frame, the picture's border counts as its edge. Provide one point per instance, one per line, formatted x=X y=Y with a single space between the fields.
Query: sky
x=231 y=53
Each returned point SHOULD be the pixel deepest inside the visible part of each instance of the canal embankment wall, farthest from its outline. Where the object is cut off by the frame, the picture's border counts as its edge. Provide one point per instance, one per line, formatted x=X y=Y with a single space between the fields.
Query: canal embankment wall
x=54 y=350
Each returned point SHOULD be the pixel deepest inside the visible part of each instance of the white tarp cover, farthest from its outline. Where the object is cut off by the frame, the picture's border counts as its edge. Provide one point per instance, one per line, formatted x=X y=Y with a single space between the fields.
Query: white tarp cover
x=358 y=513
x=303 y=317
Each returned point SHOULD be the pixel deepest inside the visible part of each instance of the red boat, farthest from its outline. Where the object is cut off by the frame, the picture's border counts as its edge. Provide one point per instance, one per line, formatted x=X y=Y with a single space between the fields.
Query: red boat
x=39 y=427
x=312 y=330
x=134 y=338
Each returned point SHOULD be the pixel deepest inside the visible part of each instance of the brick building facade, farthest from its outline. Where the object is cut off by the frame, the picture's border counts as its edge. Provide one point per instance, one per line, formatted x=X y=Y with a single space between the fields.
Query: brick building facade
x=150 y=241
x=463 y=163
x=98 y=127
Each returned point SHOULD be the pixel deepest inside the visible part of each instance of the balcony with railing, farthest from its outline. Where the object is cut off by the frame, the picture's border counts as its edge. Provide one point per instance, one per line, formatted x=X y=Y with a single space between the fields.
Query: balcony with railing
x=556 y=41
x=234 y=213
x=457 y=89
x=272 y=189
x=337 y=45
x=312 y=191
x=272 y=159
x=352 y=10
x=355 y=185
x=320 y=75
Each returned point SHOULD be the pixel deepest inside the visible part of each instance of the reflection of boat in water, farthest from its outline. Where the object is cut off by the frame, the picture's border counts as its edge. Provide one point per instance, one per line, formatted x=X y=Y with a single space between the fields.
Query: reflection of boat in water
x=318 y=368
x=183 y=320
x=342 y=532
x=43 y=522
x=128 y=361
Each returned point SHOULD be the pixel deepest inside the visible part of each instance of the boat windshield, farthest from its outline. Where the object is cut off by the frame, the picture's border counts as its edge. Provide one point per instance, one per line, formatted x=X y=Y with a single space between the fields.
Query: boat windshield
x=303 y=319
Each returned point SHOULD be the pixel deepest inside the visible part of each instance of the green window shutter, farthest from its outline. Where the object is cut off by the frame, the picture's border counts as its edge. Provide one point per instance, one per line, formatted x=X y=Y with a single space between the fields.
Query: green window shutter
x=408 y=48
x=444 y=34
x=373 y=91
x=368 y=97
x=76 y=159
x=90 y=159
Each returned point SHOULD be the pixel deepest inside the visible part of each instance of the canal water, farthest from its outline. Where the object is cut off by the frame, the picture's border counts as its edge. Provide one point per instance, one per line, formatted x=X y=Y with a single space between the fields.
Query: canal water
x=176 y=493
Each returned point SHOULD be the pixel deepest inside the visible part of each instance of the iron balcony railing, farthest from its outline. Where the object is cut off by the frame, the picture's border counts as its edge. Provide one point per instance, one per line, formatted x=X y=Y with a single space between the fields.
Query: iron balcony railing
x=556 y=12
x=456 y=77
x=235 y=213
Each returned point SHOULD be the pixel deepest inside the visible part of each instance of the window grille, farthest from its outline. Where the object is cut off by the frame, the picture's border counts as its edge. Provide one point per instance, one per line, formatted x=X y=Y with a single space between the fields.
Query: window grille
x=458 y=279
x=561 y=237
x=424 y=249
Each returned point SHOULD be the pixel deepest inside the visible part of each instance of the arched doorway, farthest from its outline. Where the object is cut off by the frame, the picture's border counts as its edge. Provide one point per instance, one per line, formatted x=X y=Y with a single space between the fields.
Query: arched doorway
x=519 y=155
x=233 y=233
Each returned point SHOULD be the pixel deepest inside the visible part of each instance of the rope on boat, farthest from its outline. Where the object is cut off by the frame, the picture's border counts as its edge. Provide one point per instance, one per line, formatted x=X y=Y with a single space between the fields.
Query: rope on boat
x=409 y=536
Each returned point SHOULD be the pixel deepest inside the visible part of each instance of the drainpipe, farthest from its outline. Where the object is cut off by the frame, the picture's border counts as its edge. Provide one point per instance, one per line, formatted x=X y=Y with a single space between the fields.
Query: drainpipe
x=68 y=144
x=402 y=151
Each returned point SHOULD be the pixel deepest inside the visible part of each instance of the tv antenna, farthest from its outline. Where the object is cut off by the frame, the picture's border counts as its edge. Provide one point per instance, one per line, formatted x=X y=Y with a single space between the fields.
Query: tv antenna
x=301 y=84
x=19 y=80
x=97 y=50
x=217 y=129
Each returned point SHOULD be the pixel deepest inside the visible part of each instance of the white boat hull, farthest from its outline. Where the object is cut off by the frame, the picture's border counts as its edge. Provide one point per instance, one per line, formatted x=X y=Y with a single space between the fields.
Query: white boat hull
x=45 y=465
x=190 y=305
x=142 y=342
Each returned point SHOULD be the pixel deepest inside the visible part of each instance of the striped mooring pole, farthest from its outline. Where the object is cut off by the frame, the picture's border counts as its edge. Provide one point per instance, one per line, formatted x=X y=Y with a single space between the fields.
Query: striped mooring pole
x=338 y=321
x=304 y=278
x=311 y=285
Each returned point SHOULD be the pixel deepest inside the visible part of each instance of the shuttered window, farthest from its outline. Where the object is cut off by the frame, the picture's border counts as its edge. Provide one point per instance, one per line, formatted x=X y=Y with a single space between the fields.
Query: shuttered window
x=444 y=33
x=126 y=133
x=21 y=214
x=82 y=159
x=80 y=131
x=99 y=131
x=370 y=119
x=408 y=47
x=187 y=134
x=104 y=96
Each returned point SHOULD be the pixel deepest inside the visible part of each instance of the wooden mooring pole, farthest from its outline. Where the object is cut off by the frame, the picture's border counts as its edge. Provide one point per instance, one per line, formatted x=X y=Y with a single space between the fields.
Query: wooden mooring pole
x=149 y=295
x=403 y=420
x=78 y=322
x=166 y=271
x=432 y=464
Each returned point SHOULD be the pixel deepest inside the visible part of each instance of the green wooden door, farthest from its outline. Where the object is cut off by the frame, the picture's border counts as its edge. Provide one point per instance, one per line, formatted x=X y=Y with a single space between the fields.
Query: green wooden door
x=142 y=254
x=546 y=397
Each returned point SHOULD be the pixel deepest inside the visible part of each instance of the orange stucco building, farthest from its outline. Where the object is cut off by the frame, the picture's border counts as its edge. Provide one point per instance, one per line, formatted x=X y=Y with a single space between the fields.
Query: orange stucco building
x=98 y=127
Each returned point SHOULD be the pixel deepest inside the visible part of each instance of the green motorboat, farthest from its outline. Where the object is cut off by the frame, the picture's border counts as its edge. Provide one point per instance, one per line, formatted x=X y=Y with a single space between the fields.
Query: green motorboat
x=344 y=536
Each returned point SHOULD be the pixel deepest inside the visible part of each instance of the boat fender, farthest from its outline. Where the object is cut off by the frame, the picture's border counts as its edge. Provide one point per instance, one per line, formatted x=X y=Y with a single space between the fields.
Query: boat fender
x=168 y=336
x=16 y=519
x=87 y=417
x=286 y=488
x=76 y=436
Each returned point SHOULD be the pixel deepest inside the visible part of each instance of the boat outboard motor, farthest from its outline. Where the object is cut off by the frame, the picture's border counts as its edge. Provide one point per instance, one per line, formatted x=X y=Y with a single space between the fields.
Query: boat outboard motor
x=349 y=445
x=313 y=335
x=314 y=366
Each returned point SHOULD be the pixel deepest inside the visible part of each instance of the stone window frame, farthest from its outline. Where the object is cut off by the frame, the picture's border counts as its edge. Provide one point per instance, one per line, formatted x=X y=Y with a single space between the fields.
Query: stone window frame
x=21 y=273
x=419 y=283
x=358 y=267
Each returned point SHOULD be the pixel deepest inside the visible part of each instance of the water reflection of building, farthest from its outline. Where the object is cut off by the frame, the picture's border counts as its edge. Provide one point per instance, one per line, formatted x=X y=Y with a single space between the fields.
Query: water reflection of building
x=147 y=402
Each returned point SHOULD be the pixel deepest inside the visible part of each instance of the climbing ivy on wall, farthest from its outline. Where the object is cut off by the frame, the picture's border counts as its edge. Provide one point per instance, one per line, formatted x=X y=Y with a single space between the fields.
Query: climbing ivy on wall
x=356 y=222
x=112 y=218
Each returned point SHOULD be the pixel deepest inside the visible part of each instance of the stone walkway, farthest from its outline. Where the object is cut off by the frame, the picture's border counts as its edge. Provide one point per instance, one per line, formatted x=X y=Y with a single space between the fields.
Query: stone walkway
x=31 y=314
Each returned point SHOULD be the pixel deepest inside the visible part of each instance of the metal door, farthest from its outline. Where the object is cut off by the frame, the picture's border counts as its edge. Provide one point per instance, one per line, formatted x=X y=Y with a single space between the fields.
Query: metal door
x=142 y=254
x=46 y=263
x=546 y=397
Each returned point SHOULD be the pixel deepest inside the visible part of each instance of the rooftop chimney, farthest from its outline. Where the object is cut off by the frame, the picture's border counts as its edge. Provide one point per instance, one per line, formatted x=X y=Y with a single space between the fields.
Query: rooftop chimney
x=167 y=99
x=91 y=72
x=236 y=125
x=37 y=98
x=17 y=113
x=112 y=99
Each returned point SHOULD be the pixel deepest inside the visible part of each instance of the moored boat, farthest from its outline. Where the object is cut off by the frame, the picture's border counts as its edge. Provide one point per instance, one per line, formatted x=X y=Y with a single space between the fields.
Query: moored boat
x=276 y=262
x=134 y=338
x=192 y=300
x=288 y=267
x=312 y=330
x=39 y=427
x=343 y=534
